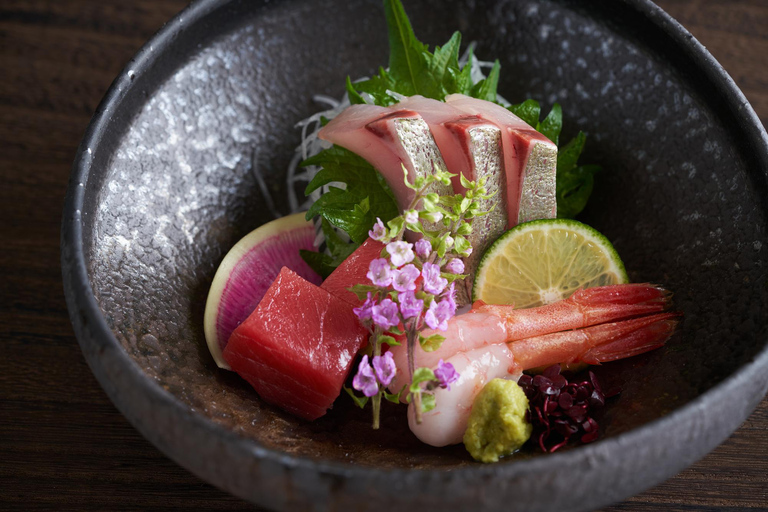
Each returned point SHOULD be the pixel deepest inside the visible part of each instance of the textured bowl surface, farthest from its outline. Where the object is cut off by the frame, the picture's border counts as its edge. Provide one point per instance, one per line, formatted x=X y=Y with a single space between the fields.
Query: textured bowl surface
x=170 y=175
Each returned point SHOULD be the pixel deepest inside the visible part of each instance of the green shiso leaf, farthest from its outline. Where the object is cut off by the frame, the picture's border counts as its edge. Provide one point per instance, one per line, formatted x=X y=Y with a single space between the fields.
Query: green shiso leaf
x=464 y=78
x=413 y=69
x=445 y=62
x=574 y=182
x=568 y=155
x=486 y=89
x=354 y=97
x=528 y=111
x=407 y=62
x=377 y=88
x=323 y=263
x=319 y=262
x=551 y=126
x=574 y=189
x=355 y=207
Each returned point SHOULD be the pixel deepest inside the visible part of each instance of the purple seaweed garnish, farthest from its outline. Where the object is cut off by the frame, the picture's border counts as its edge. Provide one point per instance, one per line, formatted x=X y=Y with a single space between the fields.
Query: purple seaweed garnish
x=561 y=410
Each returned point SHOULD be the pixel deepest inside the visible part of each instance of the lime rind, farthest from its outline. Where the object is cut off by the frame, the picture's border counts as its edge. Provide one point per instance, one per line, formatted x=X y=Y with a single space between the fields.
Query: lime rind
x=546 y=260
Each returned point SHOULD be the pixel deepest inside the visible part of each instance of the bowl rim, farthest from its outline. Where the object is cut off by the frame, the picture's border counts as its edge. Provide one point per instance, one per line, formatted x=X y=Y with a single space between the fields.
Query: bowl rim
x=97 y=339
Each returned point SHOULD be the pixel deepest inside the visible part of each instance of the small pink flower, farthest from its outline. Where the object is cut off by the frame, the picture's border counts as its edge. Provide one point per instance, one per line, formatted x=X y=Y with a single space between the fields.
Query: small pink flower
x=411 y=217
x=410 y=306
x=379 y=272
x=446 y=374
x=365 y=309
x=455 y=266
x=450 y=298
x=379 y=231
x=433 y=283
x=400 y=253
x=384 y=367
x=438 y=314
x=365 y=379
x=404 y=279
x=423 y=248
x=385 y=314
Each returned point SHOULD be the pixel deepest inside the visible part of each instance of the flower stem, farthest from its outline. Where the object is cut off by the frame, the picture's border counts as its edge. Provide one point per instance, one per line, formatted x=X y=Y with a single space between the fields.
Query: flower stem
x=376 y=399
x=411 y=340
x=412 y=334
x=376 y=402
x=417 y=406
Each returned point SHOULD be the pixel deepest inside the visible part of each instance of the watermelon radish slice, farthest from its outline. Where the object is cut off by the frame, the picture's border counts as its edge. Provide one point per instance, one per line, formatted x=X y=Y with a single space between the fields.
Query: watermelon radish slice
x=247 y=272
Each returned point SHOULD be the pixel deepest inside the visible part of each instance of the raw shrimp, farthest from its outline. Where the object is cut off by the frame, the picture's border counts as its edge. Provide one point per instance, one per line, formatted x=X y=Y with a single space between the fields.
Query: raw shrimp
x=484 y=342
x=596 y=344
x=446 y=423
x=489 y=324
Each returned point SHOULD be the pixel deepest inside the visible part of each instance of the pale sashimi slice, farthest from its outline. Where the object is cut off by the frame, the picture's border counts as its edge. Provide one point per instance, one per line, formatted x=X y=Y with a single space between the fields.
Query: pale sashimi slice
x=470 y=146
x=436 y=114
x=348 y=131
x=389 y=139
x=481 y=140
x=247 y=272
x=530 y=160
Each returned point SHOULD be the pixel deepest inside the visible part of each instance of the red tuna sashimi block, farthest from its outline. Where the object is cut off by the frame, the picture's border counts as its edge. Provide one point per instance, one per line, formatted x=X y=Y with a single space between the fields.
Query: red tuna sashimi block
x=353 y=271
x=297 y=347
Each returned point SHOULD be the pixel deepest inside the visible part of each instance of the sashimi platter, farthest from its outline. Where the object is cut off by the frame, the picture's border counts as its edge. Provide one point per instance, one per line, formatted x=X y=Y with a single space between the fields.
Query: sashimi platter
x=433 y=263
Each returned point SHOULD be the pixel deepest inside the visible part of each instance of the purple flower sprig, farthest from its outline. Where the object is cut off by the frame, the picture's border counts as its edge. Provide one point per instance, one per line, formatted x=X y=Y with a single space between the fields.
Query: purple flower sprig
x=411 y=287
x=372 y=380
x=372 y=376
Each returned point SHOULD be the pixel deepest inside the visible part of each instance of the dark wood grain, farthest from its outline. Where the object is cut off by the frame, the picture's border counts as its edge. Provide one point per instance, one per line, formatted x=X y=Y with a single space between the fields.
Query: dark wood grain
x=63 y=445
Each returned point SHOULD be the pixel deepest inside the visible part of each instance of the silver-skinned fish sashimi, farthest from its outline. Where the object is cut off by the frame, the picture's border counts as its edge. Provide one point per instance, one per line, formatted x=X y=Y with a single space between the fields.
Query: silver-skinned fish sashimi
x=471 y=147
x=530 y=160
x=460 y=135
x=389 y=139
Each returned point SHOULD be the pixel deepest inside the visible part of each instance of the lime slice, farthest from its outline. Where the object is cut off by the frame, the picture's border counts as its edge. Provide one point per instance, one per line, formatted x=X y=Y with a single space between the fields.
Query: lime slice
x=544 y=261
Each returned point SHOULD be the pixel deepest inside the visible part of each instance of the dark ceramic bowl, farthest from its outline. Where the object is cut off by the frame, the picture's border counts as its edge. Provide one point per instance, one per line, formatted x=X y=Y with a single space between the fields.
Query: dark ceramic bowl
x=165 y=182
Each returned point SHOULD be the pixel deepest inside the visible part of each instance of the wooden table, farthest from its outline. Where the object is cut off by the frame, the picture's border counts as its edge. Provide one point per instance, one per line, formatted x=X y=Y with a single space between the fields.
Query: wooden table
x=63 y=445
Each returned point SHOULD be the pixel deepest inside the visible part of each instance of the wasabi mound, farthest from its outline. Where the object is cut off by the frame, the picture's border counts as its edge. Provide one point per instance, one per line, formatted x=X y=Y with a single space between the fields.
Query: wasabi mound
x=497 y=424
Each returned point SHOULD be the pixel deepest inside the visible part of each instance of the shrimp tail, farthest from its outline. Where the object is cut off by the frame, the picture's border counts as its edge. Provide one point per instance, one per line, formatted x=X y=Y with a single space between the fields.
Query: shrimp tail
x=649 y=333
x=598 y=343
x=583 y=308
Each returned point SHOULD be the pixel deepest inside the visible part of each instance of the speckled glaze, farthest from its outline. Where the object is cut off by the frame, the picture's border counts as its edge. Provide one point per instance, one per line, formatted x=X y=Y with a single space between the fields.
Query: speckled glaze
x=173 y=171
